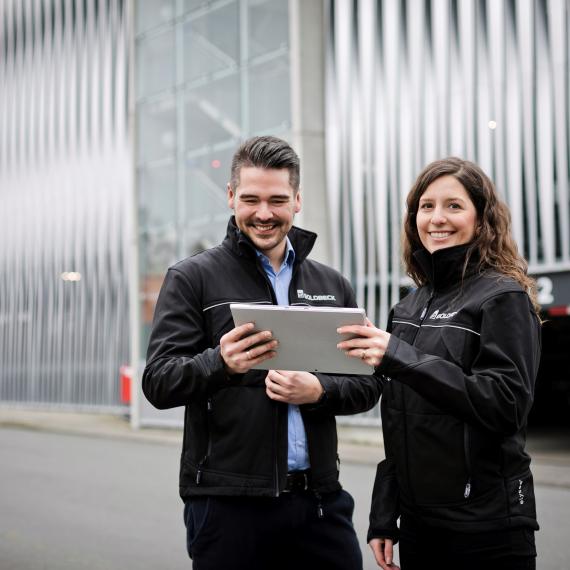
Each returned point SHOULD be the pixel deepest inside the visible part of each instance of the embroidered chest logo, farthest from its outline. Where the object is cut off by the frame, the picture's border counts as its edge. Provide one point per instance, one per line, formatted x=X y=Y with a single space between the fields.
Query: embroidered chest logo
x=520 y=493
x=302 y=295
x=437 y=315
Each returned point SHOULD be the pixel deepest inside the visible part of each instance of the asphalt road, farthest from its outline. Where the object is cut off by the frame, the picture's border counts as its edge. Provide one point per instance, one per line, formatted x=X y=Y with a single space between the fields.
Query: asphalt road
x=75 y=502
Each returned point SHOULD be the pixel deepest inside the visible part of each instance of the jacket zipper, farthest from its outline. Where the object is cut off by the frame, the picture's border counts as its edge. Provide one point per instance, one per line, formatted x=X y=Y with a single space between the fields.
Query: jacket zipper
x=209 y=407
x=423 y=316
x=467 y=445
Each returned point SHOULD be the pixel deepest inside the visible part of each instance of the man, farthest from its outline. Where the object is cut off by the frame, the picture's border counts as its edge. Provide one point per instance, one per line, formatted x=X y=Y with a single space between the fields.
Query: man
x=259 y=466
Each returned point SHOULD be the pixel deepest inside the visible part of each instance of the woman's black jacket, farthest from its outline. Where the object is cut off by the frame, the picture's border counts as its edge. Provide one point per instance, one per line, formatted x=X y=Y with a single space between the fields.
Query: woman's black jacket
x=235 y=437
x=459 y=376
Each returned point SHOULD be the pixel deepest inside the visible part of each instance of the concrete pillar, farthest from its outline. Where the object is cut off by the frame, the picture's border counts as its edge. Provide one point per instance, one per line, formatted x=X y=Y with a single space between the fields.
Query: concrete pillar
x=306 y=31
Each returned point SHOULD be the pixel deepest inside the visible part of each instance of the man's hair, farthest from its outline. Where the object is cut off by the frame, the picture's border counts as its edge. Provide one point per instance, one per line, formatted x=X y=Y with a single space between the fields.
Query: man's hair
x=266 y=152
x=493 y=244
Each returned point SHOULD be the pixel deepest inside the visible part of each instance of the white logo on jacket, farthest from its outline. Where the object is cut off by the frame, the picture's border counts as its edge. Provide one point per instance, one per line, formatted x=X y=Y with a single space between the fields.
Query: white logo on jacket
x=437 y=315
x=302 y=295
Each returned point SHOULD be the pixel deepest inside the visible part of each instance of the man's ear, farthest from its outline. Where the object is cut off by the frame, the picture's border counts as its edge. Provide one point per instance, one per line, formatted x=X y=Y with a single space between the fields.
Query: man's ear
x=298 y=201
x=231 y=196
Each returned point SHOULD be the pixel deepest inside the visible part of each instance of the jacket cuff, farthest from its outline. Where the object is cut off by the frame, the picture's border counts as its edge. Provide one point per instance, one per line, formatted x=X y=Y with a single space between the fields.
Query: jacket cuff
x=324 y=402
x=389 y=356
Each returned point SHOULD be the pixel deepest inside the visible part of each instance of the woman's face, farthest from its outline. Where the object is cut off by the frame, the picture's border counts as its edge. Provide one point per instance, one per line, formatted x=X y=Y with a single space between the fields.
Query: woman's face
x=446 y=215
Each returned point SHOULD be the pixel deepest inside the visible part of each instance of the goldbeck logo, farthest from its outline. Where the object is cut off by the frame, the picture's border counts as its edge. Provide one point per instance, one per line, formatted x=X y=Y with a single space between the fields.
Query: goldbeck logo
x=437 y=315
x=302 y=295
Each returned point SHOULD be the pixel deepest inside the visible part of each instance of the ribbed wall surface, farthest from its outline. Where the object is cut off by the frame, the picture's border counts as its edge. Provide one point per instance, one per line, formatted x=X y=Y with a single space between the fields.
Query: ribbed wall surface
x=64 y=189
x=410 y=81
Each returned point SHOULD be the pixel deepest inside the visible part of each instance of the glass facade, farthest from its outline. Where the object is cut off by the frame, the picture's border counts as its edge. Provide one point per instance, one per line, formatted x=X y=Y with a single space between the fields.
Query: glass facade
x=65 y=183
x=208 y=75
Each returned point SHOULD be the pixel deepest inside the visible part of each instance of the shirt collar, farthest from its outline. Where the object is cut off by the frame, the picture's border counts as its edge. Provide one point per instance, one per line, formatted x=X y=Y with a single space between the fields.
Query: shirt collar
x=289 y=255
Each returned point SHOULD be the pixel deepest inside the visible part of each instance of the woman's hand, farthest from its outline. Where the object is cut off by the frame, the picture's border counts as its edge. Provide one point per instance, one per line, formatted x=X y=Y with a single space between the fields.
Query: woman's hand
x=383 y=549
x=369 y=343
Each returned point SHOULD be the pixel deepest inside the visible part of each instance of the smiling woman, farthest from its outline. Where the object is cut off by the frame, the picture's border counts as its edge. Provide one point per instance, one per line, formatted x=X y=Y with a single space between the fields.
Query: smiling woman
x=458 y=363
x=446 y=215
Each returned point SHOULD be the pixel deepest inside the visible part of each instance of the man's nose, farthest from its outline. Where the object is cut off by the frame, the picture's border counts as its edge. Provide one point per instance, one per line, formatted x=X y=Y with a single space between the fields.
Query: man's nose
x=264 y=211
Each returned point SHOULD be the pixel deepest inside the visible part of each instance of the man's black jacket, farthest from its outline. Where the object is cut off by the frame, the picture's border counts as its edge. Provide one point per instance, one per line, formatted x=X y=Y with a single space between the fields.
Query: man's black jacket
x=235 y=437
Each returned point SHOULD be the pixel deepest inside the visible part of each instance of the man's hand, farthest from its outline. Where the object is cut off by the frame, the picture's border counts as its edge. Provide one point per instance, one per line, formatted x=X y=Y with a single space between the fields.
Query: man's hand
x=383 y=549
x=241 y=350
x=293 y=387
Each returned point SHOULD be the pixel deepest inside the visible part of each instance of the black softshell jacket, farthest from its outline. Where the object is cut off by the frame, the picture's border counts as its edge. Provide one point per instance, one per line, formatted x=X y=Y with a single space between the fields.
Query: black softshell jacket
x=235 y=437
x=459 y=376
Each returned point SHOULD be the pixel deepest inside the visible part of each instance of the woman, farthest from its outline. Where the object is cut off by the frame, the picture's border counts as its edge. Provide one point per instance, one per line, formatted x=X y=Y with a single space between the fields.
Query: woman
x=458 y=364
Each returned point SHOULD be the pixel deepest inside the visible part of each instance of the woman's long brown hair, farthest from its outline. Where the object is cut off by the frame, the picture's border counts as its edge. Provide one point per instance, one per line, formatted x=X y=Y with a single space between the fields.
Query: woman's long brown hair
x=494 y=244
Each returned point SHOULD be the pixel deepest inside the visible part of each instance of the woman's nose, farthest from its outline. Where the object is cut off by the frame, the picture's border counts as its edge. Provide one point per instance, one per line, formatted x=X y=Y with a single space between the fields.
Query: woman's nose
x=438 y=217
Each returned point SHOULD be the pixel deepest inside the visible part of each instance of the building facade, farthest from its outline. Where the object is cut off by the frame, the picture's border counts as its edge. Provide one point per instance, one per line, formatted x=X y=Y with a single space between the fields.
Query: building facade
x=118 y=120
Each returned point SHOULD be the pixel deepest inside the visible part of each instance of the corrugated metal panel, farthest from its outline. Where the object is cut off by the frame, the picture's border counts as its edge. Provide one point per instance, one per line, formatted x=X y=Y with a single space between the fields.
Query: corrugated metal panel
x=64 y=184
x=410 y=81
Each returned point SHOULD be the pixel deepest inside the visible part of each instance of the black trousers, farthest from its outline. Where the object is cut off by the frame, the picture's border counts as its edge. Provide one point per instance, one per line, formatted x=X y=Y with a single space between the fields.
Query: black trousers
x=285 y=532
x=509 y=549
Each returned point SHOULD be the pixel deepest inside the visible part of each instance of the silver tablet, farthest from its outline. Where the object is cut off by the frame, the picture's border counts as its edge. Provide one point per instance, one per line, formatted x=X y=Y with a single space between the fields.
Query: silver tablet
x=307 y=336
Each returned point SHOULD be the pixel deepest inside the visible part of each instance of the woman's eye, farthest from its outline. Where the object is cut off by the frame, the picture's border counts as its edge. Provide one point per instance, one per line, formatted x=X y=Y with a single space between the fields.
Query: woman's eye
x=425 y=206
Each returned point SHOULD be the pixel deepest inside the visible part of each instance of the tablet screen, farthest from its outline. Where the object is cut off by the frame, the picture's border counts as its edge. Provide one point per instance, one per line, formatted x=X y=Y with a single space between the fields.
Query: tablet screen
x=307 y=336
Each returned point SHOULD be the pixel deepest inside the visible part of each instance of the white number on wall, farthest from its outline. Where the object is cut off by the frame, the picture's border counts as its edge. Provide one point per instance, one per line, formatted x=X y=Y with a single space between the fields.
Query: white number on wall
x=544 y=286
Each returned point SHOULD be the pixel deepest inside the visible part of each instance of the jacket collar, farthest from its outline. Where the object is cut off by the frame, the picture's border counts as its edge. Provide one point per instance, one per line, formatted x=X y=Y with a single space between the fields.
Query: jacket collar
x=301 y=240
x=444 y=267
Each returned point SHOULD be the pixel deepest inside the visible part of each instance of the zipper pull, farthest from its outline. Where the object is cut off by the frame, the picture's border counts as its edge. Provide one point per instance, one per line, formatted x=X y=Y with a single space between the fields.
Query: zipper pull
x=423 y=313
x=320 y=510
x=209 y=404
x=198 y=476
x=467 y=489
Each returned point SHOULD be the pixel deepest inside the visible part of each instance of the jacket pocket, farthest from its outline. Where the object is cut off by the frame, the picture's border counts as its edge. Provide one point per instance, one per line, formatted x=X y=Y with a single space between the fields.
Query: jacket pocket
x=437 y=466
x=520 y=496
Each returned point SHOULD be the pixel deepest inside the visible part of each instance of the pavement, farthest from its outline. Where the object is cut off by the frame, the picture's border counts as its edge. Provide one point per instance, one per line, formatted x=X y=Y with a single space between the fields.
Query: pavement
x=548 y=448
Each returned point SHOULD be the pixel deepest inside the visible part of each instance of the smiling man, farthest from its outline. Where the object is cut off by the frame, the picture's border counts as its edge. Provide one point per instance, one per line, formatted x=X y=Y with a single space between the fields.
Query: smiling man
x=259 y=466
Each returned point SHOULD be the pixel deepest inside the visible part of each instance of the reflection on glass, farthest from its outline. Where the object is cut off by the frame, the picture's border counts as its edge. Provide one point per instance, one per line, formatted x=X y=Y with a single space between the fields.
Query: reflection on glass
x=213 y=113
x=152 y=13
x=158 y=202
x=190 y=5
x=269 y=104
x=206 y=180
x=268 y=26
x=157 y=130
x=211 y=42
x=155 y=63
x=158 y=251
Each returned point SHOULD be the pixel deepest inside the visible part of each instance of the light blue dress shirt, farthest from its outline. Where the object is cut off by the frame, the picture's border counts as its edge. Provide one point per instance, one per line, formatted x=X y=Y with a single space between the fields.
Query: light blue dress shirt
x=297 y=452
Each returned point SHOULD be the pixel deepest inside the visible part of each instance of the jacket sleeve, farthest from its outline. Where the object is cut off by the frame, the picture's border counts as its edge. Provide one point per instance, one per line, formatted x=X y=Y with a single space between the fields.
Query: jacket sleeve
x=180 y=363
x=385 y=508
x=347 y=395
x=351 y=394
x=497 y=392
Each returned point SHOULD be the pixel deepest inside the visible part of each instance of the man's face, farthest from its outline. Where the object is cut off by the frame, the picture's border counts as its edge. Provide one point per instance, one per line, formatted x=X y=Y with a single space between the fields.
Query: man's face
x=264 y=206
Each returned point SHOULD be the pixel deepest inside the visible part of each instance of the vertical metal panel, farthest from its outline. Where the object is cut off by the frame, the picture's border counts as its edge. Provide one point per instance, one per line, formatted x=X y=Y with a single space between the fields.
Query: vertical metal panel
x=64 y=179
x=485 y=80
x=558 y=63
x=525 y=34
